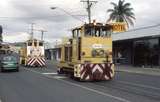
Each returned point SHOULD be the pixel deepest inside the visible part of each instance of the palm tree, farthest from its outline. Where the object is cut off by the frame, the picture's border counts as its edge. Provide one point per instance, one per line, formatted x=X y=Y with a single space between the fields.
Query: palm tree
x=122 y=12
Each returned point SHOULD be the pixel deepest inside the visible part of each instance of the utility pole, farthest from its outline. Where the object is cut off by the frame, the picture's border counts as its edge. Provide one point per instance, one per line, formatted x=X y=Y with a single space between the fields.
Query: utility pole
x=89 y=5
x=1 y=37
x=42 y=32
x=32 y=25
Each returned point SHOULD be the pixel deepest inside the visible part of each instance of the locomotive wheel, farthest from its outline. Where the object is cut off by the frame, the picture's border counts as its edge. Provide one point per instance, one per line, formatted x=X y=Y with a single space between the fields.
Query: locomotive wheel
x=60 y=71
x=23 y=61
x=77 y=79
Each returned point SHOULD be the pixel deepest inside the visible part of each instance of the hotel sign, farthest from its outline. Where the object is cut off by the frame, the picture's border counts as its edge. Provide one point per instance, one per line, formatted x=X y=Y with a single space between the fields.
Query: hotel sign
x=119 y=27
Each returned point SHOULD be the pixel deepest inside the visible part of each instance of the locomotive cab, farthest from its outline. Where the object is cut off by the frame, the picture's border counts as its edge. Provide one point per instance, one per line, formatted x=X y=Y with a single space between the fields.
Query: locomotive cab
x=96 y=43
x=32 y=53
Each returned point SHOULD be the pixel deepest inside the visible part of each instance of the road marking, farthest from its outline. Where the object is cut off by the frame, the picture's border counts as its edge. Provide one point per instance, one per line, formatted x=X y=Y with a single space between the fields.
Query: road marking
x=139 y=85
x=0 y=100
x=50 y=73
x=59 y=77
x=96 y=91
x=83 y=87
x=47 y=69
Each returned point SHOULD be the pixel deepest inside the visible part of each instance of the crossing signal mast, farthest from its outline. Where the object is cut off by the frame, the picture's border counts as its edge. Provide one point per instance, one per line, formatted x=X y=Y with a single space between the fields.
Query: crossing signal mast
x=89 y=5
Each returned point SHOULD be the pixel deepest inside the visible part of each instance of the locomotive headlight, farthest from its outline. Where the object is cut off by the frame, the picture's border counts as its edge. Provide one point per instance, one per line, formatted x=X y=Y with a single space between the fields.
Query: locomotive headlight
x=98 y=52
x=94 y=53
x=101 y=52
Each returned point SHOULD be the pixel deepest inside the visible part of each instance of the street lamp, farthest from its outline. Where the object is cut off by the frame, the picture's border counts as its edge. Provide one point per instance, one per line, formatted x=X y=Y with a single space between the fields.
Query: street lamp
x=53 y=8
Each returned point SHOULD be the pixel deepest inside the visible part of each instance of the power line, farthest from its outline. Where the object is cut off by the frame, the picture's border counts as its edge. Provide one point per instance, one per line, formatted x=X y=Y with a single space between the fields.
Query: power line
x=68 y=13
x=34 y=17
x=89 y=5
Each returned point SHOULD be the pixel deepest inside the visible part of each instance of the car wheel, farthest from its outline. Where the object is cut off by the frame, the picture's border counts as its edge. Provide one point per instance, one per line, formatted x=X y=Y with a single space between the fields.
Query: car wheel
x=17 y=70
x=60 y=71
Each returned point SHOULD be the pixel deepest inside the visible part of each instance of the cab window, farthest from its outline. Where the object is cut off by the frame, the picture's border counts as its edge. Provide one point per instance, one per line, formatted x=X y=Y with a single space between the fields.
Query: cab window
x=76 y=33
x=35 y=43
x=40 y=44
x=29 y=43
x=97 y=31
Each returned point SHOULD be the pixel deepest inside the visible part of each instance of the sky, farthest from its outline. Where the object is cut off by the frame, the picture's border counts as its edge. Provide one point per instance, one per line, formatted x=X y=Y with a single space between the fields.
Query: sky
x=17 y=15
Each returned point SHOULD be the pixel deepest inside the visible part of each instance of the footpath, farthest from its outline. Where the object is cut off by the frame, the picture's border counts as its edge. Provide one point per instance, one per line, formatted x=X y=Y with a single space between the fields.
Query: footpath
x=138 y=70
x=127 y=68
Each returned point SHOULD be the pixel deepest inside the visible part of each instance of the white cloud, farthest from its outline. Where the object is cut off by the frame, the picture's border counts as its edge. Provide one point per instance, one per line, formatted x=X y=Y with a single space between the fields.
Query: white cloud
x=18 y=37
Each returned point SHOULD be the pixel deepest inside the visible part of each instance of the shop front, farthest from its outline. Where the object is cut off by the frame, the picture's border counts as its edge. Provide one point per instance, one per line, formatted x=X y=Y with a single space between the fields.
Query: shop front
x=144 y=52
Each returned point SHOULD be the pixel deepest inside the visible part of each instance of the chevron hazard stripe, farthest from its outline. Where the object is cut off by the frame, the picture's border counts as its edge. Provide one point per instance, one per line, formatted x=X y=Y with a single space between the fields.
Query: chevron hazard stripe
x=36 y=62
x=33 y=62
x=97 y=71
x=42 y=61
x=30 y=61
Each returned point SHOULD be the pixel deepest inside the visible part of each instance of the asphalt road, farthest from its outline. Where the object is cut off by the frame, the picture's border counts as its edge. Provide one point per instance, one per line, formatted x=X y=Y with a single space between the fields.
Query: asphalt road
x=44 y=85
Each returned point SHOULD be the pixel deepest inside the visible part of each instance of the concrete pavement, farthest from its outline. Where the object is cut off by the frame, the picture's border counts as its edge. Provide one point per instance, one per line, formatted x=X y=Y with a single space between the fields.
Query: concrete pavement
x=129 y=69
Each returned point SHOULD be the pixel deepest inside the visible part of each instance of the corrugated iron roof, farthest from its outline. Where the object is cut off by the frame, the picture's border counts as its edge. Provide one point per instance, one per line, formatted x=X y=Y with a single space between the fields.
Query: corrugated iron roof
x=150 y=31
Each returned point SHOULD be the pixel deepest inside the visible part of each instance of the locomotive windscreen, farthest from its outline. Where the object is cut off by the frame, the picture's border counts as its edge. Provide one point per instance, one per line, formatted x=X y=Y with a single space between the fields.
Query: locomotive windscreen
x=97 y=31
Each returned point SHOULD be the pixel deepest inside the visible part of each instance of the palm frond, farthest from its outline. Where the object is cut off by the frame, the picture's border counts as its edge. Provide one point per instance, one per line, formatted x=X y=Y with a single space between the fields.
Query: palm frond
x=112 y=17
x=130 y=21
x=126 y=5
x=128 y=9
x=126 y=21
x=110 y=10
x=122 y=12
x=114 y=4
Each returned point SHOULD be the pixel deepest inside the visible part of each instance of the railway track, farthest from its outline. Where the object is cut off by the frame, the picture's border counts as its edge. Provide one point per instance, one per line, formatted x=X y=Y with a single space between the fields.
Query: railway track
x=152 y=93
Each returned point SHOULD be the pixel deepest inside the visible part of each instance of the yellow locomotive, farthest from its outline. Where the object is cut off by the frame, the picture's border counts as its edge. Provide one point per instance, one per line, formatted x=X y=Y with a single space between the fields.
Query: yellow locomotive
x=32 y=53
x=88 y=54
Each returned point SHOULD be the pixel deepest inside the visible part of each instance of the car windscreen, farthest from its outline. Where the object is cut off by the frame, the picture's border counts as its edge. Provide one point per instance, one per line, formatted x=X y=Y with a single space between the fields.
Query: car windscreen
x=9 y=58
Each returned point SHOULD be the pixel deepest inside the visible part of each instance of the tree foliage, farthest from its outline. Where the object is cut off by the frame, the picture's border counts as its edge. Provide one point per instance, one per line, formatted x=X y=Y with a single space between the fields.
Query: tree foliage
x=122 y=12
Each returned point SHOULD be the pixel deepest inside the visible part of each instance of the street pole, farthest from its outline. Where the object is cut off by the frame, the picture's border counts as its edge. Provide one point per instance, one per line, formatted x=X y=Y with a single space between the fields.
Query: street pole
x=42 y=32
x=32 y=25
x=1 y=37
x=89 y=5
x=89 y=10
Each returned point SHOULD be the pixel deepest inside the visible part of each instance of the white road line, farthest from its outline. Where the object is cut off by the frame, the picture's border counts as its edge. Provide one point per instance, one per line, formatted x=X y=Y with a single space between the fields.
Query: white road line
x=50 y=73
x=0 y=100
x=96 y=91
x=50 y=70
x=59 y=77
x=139 y=85
x=83 y=87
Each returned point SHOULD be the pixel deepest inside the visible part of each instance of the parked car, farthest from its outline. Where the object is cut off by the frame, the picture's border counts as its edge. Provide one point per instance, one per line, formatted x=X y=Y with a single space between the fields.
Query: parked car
x=9 y=63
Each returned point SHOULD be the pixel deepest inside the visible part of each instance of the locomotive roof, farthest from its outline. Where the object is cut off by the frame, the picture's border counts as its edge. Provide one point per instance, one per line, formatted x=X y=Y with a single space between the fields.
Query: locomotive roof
x=97 y=25
x=30 y=40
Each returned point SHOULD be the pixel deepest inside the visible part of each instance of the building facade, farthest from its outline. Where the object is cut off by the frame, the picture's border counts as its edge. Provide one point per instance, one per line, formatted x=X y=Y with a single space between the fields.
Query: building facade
x=139 y=47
